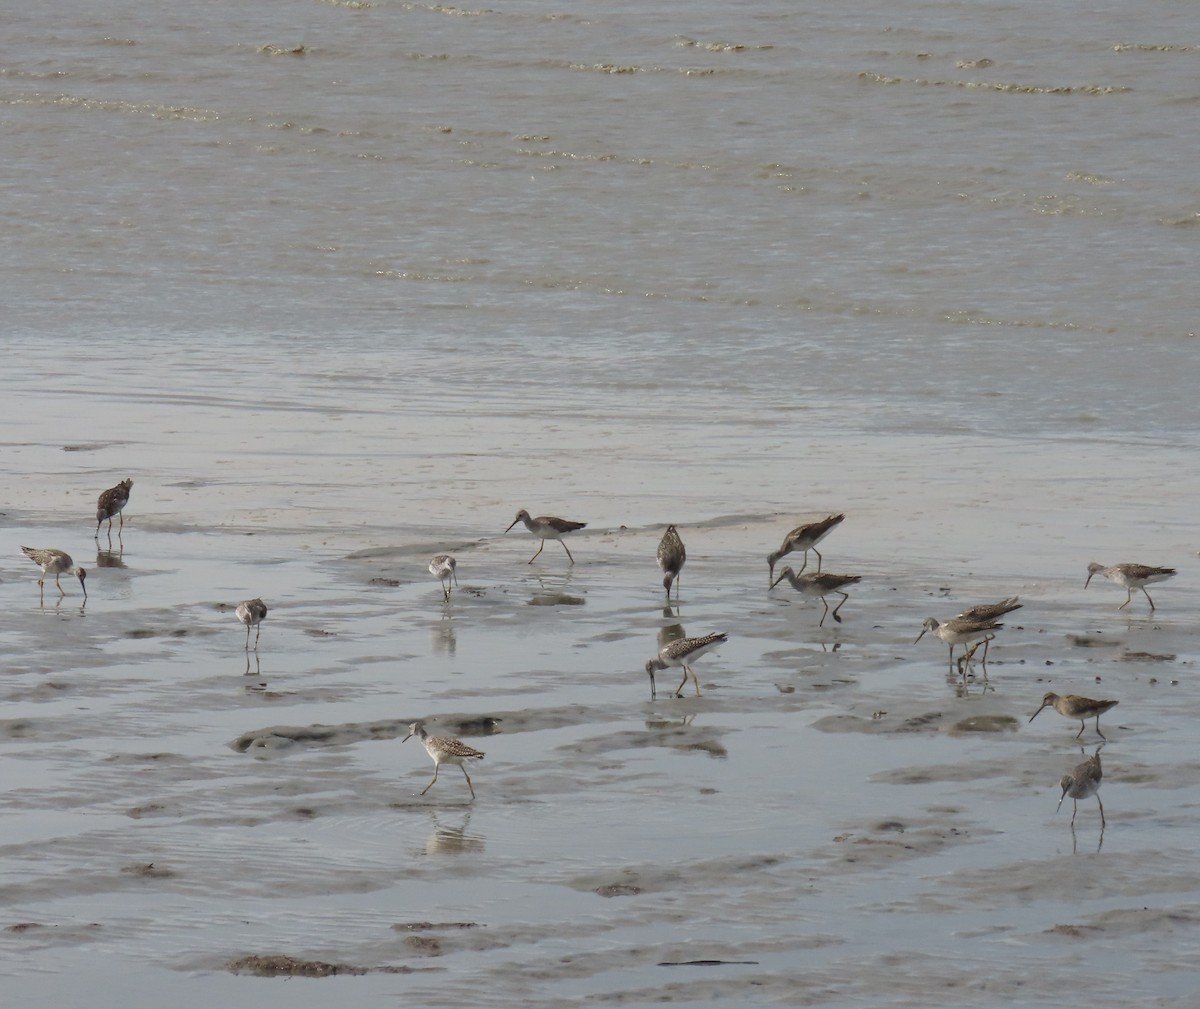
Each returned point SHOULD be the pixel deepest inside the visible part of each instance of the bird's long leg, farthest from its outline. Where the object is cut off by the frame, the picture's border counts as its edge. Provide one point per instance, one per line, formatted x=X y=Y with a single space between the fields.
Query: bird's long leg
x=431 y=780
x=679 y=689
x=1147 y=595
x=468 y=777
x=818 y=553
x=845 y=596
x=58 y=585
x=1075 y=803
x=1102 y=820
x=539 y=550
x=247 y=637
x=805 y=564
x=1129 y=599
x=1083 y=725
x=821 y=622
x=951 y=657
x=695 y=679
x=256 y=636
x=1101 y=734
x=121 y=529
x=564 y=546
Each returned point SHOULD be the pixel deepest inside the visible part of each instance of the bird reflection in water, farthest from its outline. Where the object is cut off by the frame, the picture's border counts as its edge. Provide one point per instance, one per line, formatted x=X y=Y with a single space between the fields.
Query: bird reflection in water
x=452 y=837
x=110 y=558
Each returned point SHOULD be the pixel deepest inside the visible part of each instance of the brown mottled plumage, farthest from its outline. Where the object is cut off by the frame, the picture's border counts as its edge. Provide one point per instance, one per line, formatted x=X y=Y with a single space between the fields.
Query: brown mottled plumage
x=806 y=538
x=111 y=504
x=55 y=562
x=547 y=527
x=1130 y=577
x=671 y=558
x=820 y=584
x=252 y=612
x=442 y=566
x=444 y=750
x=1084 y=780
x=682 y=652
x=959 y=631
x=1074 y=706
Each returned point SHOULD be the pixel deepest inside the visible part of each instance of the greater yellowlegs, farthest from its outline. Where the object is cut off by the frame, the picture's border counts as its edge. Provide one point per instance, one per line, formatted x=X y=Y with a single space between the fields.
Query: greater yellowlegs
x=681 y=653
x=110 y=504
x=55 y=562
x=960 y=631
x=671 y=558
x=987 y=611
x=547 y=527
x=444 y=750
x=1074 y=706
x=252 y=612
x=442 y=566
x=806 y=538
x=822 y=585
x=1130 y=577
x=1084 y=780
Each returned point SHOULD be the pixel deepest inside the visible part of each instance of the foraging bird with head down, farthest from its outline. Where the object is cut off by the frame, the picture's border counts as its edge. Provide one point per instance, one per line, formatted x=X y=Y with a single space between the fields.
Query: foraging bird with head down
x=55 y=562
x=110 y=504
x=671 y=556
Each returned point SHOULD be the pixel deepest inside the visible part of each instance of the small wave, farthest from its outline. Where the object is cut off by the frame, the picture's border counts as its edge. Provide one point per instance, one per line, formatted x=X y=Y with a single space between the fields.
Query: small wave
x=1025 y=89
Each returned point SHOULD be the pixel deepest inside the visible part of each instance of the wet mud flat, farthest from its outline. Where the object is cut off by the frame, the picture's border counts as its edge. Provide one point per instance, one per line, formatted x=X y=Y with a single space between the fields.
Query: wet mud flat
x=838 y=818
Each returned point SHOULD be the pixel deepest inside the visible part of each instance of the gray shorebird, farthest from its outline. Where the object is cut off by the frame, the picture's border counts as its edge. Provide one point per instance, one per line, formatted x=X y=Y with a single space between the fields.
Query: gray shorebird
x=110 y=504
x=444 y=750
x=1083 y=781
x=547 y=527
x=252 y=612
x=55 y=562
x=671 y=558
x=682 y=653
x=806 y=538
x=820 y=584
x=1074 y=706
x=960 y=631
x=987 y=611
x=1130 y=577
x=442 y=566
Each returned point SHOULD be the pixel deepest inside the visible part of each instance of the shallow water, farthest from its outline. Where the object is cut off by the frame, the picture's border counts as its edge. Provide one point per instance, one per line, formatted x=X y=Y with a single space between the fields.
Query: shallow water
x=338 y=310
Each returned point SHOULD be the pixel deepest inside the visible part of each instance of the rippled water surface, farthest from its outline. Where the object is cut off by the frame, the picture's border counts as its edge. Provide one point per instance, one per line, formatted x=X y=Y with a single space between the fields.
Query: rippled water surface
x=343 y=285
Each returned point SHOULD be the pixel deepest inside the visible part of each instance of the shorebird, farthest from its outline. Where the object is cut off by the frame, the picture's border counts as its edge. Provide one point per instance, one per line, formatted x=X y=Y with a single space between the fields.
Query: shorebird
x=681 y=653
x=1074 y=706
x=1130 y=577
x=959 y=631
x=806 y=538
x=444 y=750
x=110 y=504
x=54 y=562
x=1084 y=780
x=671 y=558
x=547 y=527
x=252 y=613
x=820 y=585
x=442 y=566
x=980 y=613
